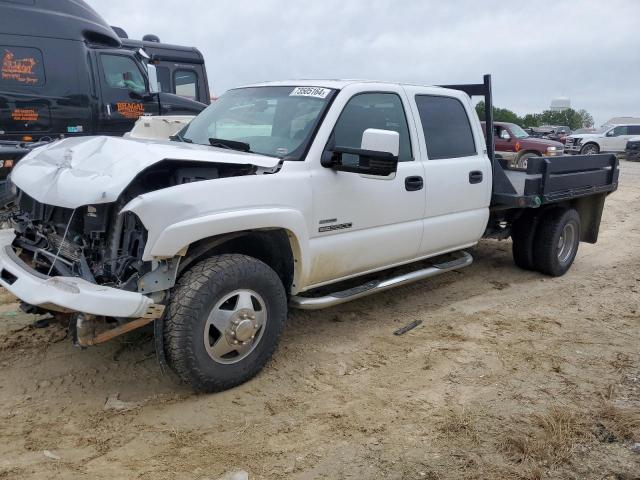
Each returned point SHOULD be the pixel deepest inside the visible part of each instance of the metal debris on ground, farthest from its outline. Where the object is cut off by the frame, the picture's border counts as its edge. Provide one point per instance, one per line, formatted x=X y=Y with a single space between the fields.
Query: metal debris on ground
x=406 y=328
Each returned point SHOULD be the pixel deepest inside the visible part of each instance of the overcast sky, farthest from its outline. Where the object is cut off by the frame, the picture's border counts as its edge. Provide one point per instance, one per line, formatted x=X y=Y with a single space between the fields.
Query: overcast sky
x=536 y=50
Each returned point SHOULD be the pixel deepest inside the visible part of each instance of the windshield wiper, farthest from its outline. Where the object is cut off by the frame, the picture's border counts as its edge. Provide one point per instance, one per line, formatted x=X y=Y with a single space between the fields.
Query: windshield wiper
x=178 y=138
x=230 y=144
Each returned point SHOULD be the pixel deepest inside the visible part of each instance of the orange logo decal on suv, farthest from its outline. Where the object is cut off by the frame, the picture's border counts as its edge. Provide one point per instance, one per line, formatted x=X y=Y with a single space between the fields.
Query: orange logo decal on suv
x=25 y=115
x=130 y=110
x=21 y=69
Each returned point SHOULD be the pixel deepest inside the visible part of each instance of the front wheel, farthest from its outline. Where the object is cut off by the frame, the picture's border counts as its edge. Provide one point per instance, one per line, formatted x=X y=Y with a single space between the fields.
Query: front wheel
x=557 y=240
x=590 y=149
x=224 y=321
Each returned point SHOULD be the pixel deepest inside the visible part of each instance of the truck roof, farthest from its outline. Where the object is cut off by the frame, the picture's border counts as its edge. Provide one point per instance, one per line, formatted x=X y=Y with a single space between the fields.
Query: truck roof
x=165 y=51
x=329 y=83
x=66 y=19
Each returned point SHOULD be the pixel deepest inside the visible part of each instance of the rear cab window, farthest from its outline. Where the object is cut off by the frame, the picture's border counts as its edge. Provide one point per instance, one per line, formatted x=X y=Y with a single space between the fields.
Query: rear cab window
x=446 y=126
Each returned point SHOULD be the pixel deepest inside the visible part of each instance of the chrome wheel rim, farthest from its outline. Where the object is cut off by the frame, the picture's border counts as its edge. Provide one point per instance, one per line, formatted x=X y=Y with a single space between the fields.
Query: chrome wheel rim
x=235 y=326
x=566 y=242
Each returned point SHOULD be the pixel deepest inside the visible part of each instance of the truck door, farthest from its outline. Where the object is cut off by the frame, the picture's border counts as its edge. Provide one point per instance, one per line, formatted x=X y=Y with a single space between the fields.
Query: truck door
x=124 y=92
x=457 y=170
x=362 y=222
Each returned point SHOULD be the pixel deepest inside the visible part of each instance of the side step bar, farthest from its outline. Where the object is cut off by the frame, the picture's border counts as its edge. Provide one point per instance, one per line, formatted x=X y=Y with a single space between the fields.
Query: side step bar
x=375 y=286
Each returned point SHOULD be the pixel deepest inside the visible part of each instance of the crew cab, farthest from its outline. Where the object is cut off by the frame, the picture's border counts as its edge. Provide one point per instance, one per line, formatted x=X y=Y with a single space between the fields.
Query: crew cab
x=608 y=138
x=302 y=194
x=515 y=145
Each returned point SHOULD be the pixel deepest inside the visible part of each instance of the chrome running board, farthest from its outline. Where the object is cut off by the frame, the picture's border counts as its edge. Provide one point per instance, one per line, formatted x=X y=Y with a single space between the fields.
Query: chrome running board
x=375 y=286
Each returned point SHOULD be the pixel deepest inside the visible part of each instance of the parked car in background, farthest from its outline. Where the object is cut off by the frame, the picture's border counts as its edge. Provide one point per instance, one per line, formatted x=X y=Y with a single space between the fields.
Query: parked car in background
x=608 y=138
x=632 y=149
x=515 y=145
x=552 y=132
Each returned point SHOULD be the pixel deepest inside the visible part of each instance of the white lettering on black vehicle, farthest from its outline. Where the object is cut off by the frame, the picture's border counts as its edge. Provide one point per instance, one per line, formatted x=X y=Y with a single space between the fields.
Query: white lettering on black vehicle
x=310 y=92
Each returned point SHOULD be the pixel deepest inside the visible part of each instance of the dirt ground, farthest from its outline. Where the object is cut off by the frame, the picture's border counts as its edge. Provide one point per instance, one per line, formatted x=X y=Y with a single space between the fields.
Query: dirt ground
x=510 y=375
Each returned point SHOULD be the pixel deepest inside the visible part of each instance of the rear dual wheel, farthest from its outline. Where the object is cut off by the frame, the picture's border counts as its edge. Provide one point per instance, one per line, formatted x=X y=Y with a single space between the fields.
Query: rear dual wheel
x=546 y=241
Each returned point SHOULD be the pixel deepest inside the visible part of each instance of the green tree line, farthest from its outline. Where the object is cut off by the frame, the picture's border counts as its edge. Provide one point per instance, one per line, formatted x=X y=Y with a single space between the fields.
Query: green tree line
x=575 y=119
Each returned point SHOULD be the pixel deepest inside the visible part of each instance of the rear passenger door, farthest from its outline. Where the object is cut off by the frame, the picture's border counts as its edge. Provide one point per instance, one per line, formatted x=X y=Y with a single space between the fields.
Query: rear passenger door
x=457 y=170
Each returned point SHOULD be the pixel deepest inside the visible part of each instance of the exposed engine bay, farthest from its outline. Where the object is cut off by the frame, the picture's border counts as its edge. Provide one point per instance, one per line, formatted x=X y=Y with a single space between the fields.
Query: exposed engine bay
x=95 y=242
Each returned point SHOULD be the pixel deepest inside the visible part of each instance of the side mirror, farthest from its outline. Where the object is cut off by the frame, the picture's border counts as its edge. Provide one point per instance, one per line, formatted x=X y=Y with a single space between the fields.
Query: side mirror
x=504 y=135
x=153 y=79
x=378 y=154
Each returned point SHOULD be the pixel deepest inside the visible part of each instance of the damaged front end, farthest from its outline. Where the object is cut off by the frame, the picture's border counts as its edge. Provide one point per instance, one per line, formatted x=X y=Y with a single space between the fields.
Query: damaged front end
x=75 y=249
x=91 y=242
x=100 y=246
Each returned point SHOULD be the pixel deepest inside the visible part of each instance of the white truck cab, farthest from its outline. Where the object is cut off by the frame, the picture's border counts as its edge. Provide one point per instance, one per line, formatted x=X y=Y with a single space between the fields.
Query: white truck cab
x=608 y=138
x=300 y=193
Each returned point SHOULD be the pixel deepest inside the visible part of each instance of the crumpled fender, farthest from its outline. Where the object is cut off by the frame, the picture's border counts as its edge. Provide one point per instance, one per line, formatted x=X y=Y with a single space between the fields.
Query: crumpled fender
x=178 y=216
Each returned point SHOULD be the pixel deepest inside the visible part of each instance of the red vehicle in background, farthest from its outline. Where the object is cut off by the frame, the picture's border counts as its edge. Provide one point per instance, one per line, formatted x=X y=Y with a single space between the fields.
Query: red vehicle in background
x=515 y=145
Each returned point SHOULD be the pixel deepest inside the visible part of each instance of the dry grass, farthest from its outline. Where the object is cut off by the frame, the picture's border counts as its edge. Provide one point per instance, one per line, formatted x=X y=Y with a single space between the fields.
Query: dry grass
x=623 y=424
x=554 y=437
x=459 y=422
x=551 y=437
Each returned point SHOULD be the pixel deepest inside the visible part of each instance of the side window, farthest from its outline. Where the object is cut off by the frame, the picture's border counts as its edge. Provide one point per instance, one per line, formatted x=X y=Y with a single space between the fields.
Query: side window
x=164 y=79
x=634 y=130
x=21 y=67
x=620 y=130
x=372 y=110
x=447 y=131
x=186 y=82
x=122 y=72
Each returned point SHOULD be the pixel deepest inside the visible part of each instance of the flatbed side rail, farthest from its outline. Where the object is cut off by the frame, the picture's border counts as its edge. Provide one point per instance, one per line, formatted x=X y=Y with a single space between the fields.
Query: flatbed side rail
x=559 y=178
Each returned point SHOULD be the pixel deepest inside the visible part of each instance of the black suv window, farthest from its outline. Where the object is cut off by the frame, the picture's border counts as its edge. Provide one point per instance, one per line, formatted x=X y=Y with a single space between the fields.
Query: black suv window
x=122 y=72
x=186 y=82
x=372 y=110
x=447 y=131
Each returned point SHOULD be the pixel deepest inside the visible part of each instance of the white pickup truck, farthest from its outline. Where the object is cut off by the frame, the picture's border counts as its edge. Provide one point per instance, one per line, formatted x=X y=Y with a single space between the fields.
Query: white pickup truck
x=304 y=194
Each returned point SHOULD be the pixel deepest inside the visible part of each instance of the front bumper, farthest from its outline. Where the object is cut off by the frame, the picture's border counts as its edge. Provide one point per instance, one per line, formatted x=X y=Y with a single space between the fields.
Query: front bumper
x=572 y=148
x=65 y=294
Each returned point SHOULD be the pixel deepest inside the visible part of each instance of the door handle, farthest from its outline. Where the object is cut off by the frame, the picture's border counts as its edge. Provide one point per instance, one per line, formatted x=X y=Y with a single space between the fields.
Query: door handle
x=414 y=183
x=475 y=176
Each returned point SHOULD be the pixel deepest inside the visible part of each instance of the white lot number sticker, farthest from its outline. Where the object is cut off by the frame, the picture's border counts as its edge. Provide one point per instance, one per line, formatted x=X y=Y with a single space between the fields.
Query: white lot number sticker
x=310 y=92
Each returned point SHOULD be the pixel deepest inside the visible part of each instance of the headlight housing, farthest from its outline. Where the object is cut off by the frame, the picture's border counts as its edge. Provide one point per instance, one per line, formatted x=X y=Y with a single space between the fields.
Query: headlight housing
x=552 y=149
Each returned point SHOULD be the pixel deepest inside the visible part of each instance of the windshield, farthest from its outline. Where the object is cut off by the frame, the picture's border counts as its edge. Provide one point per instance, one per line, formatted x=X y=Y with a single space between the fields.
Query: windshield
x=603 y=129
x=517 y=131
x=274 y=121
